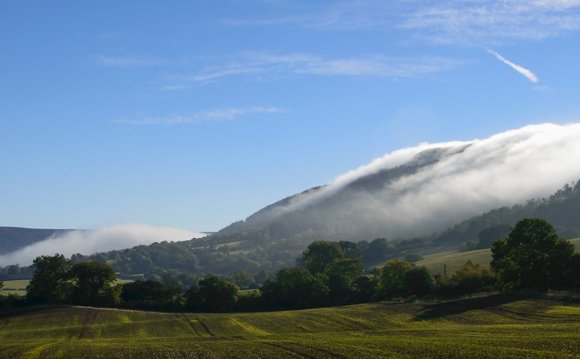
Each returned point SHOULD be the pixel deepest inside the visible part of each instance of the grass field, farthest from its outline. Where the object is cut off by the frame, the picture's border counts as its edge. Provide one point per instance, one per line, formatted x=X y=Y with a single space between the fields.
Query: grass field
x=455 y=261
x=498 y=326
x=17 y=287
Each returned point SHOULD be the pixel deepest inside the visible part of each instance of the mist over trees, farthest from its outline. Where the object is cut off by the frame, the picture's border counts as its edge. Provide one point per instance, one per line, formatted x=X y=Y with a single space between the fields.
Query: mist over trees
x=532 y=256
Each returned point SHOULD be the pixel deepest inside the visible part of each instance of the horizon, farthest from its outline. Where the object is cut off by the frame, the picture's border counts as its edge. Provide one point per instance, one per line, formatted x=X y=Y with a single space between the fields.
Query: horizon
x=197 y=115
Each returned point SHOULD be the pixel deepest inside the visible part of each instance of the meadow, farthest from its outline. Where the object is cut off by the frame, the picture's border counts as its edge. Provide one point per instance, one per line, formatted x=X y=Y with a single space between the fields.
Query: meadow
x=454 y=261
x=494 y=326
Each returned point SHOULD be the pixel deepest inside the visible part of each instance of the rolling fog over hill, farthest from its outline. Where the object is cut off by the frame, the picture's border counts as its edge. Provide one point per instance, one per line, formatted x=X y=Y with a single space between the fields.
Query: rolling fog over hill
x=405 y=194
x=420 y=190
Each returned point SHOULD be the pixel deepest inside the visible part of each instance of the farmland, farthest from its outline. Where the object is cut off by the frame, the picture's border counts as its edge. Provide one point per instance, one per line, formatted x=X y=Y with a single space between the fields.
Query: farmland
x=496 y=326
x=434 y=263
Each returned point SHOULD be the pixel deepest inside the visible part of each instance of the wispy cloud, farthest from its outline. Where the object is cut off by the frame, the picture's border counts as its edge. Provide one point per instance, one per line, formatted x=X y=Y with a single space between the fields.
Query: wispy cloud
x=127 y=61
x=217 y=115
x=263 y=64
x=485 y=22
x=339 y=15
x=464 y=22
x=519 y=69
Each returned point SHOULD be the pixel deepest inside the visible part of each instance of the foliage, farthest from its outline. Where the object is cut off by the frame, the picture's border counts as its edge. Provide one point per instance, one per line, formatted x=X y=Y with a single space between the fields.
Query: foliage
x=50 y=281
x=561 y=209
x=294 y=288
x=392 y=282
x=92 y=283
x=320 y=254
x=149 y=294
x=533 y=256
x=468 y=279
x=418 y=282
x=214 y=294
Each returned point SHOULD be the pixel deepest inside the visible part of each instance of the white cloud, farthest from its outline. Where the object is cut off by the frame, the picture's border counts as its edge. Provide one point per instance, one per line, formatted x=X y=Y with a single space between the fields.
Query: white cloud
x=519 y=69
x=264 y=63
x=217 y=115
x=98 y=240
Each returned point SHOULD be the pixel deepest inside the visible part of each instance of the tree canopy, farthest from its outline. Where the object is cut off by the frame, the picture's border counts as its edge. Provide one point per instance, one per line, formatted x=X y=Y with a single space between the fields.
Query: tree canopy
x=532 y=256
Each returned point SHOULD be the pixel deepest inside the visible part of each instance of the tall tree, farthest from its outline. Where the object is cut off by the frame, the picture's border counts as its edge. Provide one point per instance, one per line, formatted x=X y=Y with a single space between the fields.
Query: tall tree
x=318 y=255
x=92 y=281
x=533 y=256
x=49 y=282
x=392 y=281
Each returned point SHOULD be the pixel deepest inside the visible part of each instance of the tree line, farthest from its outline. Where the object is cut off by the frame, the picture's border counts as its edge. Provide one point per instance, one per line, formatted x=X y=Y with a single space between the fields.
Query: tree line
x=328 y=273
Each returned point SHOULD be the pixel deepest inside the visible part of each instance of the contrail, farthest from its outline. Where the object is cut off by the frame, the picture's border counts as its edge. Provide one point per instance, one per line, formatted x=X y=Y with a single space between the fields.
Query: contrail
x=520 y=69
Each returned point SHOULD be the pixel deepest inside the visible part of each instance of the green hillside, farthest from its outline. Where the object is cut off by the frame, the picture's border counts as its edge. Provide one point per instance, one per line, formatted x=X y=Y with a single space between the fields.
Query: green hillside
x=488 y=327
x=454 y=261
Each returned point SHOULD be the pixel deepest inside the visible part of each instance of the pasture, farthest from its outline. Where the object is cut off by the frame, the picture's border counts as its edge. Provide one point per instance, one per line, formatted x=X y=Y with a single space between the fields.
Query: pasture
x=434 y=263
x=497 y=326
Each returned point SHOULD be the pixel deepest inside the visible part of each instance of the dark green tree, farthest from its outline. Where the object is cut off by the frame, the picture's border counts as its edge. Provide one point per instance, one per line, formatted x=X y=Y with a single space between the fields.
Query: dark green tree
x=92 y=282
x=318 y=255
x=214 y=294
x=294 y=288
x=341 y=274
x=392 y=282
x=49 y=282
x=533 y=256
x=417 y=281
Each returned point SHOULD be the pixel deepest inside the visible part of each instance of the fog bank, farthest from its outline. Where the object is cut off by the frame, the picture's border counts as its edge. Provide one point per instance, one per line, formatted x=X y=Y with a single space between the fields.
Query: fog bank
x=98 y=240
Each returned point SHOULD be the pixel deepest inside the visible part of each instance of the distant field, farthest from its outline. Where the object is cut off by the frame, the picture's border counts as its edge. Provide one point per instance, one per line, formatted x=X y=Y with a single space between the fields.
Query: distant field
x=498 y=326
x=17 y=287
x=455 y=261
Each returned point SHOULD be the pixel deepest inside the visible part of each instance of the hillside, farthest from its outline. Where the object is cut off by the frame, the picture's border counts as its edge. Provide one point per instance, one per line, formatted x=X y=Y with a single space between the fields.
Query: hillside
x=14 y=238
x=454 y=261
x=487 y=327
x=562 y=209
x=258 y=249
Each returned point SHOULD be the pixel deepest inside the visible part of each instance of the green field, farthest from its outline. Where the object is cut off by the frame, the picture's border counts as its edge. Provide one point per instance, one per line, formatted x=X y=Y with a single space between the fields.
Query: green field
x=17 y=287
x=498 y=326
x=455 y=261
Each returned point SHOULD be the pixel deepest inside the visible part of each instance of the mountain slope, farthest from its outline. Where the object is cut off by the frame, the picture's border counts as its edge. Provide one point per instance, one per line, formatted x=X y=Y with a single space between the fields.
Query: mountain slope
x=14 y=238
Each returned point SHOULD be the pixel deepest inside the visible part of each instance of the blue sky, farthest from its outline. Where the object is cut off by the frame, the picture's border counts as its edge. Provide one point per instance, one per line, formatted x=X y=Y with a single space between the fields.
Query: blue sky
x=194 y=114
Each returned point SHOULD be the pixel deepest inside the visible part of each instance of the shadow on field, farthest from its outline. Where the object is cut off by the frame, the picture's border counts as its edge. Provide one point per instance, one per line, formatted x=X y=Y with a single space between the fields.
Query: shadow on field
x=459 y=306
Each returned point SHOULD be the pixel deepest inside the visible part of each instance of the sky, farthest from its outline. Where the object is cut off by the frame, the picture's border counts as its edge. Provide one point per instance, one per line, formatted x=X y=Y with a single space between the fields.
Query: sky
x=195 y=114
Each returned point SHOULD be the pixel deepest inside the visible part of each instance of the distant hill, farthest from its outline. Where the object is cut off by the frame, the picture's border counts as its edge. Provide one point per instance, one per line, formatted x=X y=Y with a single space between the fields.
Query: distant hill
x=562 y=209
x=240 y=247
x=14 y=238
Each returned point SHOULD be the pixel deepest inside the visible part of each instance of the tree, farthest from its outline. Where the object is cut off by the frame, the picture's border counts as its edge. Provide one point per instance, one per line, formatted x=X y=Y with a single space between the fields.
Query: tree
x=214 y=293
x=294 y=288
x=92 y=281
x=318 y=255
x=533 y=256
x=341 y=274
x=1 y=285
x=417 y=281
x=392 y=281
x=49 y=282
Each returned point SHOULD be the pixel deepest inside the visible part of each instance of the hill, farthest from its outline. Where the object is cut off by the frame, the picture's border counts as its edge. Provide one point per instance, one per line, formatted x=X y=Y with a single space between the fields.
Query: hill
x=14 y=238
x=254 y=250
x=486 y=327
